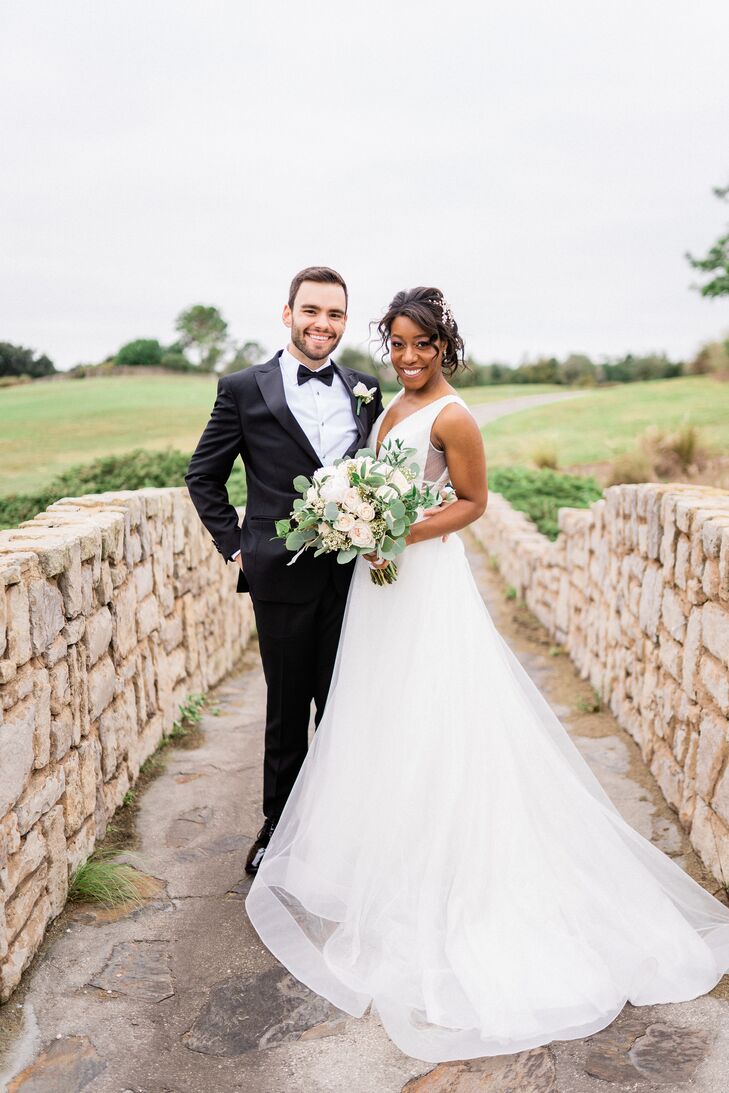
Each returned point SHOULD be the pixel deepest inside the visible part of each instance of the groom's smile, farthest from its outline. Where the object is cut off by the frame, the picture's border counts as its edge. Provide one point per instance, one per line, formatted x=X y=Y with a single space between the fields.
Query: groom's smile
x=316 y=319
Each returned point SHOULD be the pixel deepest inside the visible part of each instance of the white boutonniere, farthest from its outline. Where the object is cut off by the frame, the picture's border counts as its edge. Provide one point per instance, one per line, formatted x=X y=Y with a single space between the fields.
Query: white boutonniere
x=363 y=394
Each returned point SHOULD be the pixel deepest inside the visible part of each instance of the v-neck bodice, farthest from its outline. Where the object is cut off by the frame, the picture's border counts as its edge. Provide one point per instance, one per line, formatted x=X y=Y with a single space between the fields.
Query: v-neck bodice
x=414 y=430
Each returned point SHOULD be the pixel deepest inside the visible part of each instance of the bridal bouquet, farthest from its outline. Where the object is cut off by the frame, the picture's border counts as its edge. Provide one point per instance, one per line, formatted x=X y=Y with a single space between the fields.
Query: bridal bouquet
x=362 y=505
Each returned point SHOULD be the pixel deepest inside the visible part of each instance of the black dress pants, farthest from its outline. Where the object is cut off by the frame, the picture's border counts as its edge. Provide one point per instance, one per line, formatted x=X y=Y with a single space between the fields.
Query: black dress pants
x=298 y=643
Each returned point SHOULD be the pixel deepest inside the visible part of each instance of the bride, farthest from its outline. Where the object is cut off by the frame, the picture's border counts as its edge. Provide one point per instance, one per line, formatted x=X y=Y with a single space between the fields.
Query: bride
x=446 y=854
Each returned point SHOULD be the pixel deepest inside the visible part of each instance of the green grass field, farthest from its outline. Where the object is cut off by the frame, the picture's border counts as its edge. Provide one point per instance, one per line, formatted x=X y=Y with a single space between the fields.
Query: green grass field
x=601 y=424
x=47 y=427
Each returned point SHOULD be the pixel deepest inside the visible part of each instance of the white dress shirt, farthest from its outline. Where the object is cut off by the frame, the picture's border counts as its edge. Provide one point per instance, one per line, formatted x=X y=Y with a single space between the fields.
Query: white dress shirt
x=324 y=413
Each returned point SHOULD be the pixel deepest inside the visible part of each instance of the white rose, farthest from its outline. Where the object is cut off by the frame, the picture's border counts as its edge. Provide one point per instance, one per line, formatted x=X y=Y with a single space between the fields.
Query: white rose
x=311 y=495
x=366 y=511
x=321 y=473
x=364 y=465
x=386 y=493
x=334 y=489
x=351 y=499
x=399 y=480
x=344 y=522
x=361 y=535
x=323 y=528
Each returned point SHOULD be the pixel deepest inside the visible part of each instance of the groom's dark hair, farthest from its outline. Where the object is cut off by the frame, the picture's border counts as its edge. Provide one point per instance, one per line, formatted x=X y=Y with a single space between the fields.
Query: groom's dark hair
x=322 y=274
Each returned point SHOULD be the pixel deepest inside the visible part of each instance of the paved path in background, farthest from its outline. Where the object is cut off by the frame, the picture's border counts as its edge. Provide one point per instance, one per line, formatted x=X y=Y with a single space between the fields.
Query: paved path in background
x=486 y=412
x=181 y=997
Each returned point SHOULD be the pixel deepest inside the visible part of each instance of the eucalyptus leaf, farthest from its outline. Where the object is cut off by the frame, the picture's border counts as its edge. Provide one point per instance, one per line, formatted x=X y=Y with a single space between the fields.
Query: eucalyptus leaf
x=399 y=546
x=283 y=527
x=345 y=556
x=331 y=510
x=397 y=509
x=301 y=483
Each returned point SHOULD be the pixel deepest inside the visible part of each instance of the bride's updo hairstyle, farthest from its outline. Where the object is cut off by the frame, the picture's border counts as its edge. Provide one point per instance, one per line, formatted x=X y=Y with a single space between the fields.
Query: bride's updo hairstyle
x=427 y=308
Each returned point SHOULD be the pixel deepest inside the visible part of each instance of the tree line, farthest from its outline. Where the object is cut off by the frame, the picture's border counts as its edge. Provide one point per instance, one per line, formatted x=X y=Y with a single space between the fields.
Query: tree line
x=204 y=344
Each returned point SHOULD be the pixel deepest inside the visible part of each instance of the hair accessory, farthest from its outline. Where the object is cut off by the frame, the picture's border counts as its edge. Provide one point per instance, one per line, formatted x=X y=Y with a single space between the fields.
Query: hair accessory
x=445 y=311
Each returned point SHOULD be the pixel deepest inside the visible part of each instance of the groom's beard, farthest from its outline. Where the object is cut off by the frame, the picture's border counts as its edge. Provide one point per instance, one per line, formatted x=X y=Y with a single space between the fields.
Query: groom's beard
x=313 y=352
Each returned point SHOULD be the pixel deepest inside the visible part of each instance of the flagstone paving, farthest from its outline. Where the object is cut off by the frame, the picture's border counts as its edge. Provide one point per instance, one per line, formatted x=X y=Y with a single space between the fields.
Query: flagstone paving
x=179 y=996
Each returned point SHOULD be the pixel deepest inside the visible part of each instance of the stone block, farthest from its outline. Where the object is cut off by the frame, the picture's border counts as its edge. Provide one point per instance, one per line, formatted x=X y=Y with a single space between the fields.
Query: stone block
x=98 y=634
x=9 y=838
x=70 y=584
x=670 y=654
x=710 y=838
x=19 y=907
x=713 y=749
x=63 y=737
x=30 y=854
x=651 y=596
x=720 y=798
x=80 y=846
x=16 y=752
x=42 y=734
x=715 y=626
x=46 y=614
x=3 y=620
x=56 y=651
x=674 y=613
x=147 y=616
x=73 y=802
x=24 y=948
x=715 y=679
x=74 y=630
x=143 y=579
x=693 y=646
x=681 y=568
x=18 y=624
x=102 y=686
x=43 y=790
x=53 y=829
x=60 y=690
x=124 y=618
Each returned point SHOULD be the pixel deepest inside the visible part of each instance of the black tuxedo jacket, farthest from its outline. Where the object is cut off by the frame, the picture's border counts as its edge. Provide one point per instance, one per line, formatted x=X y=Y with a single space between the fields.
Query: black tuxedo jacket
x=251 y=418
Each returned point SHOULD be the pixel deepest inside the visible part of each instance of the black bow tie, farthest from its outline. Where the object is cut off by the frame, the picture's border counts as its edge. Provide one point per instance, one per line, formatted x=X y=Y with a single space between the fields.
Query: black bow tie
x=326 y=374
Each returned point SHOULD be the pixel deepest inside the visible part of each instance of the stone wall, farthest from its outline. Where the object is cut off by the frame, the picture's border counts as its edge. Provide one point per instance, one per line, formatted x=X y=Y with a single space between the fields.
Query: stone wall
x=636 y=589
x=114 y=608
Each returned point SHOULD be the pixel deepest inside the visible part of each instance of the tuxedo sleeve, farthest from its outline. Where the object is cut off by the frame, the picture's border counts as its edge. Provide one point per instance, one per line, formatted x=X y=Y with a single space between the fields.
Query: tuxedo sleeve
x=210 y=468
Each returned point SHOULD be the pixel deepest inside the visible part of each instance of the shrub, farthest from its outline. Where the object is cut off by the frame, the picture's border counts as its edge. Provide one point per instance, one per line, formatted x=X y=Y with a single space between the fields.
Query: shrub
x=177 y=362
x=545 y=455
x=541 y=493
x=630 y=467
x=131 y=471
x=15 y=381
x=143 y=351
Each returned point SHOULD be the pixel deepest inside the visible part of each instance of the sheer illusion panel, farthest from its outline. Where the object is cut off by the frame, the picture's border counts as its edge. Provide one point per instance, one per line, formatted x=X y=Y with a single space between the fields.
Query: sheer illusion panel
x=436 y=468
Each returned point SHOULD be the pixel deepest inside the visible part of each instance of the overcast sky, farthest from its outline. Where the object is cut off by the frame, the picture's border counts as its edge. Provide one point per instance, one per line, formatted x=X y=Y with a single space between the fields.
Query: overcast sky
x=545 y=163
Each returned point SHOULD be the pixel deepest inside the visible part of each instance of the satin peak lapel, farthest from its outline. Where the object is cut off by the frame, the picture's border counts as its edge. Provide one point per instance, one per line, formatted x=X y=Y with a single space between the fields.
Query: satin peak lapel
x=351 y=382
x=271 y=387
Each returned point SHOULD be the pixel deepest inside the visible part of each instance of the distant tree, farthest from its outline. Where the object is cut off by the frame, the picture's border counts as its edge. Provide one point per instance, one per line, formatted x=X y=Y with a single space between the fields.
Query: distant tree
x=716 y=260
x=204 y=329
x=578 y=370
x=361 y=361
x=16 y=360
x=244 y=355
x=711 y=358
x=139 y=353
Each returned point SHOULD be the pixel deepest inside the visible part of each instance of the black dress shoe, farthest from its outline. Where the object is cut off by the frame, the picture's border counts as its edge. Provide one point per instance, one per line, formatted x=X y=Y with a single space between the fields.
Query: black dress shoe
x=256 y=852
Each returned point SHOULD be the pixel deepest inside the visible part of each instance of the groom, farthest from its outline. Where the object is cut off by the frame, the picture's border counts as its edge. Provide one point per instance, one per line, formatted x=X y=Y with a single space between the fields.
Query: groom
x=284 y=418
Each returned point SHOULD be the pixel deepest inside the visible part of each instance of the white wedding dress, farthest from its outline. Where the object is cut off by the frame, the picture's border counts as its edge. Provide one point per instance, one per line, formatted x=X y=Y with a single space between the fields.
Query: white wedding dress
x=446 y=853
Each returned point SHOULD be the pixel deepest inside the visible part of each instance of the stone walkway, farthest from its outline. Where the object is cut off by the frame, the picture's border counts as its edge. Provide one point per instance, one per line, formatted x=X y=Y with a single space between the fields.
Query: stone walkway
x=180 y=997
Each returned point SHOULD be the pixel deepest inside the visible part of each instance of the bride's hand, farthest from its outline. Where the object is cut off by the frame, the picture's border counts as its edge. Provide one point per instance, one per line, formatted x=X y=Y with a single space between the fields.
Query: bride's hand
x=434 y=512
x=375 y=562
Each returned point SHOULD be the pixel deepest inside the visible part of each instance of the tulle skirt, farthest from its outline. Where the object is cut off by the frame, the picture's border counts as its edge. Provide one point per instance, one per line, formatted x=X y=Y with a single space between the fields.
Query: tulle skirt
x=448 y=856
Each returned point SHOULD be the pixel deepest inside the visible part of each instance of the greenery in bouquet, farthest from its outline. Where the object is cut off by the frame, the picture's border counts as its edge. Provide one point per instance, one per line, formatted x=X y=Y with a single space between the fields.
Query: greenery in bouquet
x=359 y=505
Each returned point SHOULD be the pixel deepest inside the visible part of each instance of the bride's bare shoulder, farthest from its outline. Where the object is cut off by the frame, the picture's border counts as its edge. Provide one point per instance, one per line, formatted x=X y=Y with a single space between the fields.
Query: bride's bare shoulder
x=455 y=422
